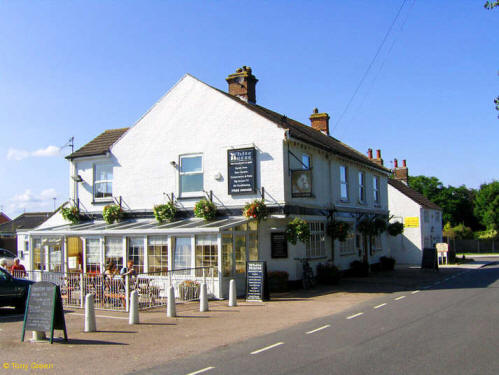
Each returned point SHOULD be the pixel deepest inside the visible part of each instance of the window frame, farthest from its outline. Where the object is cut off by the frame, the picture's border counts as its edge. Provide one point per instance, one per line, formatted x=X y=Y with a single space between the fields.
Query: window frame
x=96 y=181
x=376 y=190
x=345 y=183
x=362 y=187
x=190 y=194
x=315 y=247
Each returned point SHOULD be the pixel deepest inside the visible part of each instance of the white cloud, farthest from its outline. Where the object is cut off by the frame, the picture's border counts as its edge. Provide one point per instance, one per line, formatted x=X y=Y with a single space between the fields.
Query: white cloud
x=29 y=201
x=45 y=152
x=15 y=154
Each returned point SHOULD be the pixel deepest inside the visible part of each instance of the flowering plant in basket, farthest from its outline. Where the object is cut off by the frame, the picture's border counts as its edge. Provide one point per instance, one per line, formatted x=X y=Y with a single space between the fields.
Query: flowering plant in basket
x=256 y=210
x=165 y=212
x=297 y=230
x=205 y=209
x=112 y=213
x=394 y=229
x=339 y=230
x=71 y=214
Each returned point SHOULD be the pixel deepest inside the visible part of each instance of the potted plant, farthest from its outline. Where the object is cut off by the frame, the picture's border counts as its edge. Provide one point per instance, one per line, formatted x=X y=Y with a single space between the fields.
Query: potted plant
x=165 y=212
x=188 y=290
x=205 y=209
x=328 y=273
x=278 y=281
x=256 y=210
x=339 y=230
x=71 y=214
x=112 y=213
x=297 y=230
x=394 y=229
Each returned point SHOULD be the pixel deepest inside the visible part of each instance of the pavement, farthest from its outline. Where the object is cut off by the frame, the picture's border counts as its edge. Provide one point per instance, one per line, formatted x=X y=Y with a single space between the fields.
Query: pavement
x=119 y=348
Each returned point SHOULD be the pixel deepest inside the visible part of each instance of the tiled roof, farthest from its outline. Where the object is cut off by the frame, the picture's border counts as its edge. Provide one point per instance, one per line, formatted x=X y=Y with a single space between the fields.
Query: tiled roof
x=413 y=194
x=27 y=220
x=99 y=145
x=308 y=134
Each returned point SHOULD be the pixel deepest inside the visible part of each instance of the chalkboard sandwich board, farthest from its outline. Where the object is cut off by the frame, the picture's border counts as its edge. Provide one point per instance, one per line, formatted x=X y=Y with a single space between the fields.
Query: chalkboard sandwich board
x=44 y=311
x=256 y=281
x=429 y=260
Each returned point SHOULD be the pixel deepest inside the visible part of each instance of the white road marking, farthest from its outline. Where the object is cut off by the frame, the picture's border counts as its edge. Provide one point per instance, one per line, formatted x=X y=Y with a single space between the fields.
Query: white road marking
x=318 y=329
x=416 y=291
x=200 y=371
x=399 y=298
x=377 y=307
x=355 y=315
x=267 y=348
x=101 y=316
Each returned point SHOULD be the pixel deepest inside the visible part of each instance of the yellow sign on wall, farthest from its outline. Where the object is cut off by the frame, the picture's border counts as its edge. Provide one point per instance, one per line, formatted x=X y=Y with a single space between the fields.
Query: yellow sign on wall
x=411 y=222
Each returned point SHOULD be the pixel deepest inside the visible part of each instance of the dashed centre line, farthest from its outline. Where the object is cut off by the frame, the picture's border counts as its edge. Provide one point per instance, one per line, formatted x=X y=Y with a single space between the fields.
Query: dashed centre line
x=267 y=348
x=355 y=315
x=377 y=307
x=399 y=298
x=201 y=371
x=416 y=291
x=318 y=329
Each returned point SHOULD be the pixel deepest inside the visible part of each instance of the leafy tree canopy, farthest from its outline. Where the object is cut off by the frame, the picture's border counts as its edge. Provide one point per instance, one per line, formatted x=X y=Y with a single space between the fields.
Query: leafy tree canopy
x=486 y=205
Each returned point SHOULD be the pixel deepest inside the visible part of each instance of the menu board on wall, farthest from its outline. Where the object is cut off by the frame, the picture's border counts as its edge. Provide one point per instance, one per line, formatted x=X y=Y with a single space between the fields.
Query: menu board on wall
x=241 y=165
x=278 y=245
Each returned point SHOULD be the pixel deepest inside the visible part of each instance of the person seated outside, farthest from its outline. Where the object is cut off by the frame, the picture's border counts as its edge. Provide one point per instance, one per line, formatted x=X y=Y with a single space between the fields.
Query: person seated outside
x=17 y=269
x=128 y=270
x=3 y=264
x=111 y=270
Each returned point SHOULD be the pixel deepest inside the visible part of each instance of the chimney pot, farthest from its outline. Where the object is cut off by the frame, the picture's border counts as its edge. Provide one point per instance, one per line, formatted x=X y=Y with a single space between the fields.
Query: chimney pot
x=320 y=121
x=401 y=174
x=378 y=154
x=242 y=84
x=370 y=153
x=404 y=164
x=395 y=163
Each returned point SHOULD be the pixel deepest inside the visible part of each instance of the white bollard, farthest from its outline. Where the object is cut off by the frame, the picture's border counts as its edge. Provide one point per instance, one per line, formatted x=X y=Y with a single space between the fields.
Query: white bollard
x=203 y=298
x=171 y=311
x=232 y=293
x=133 y=316
x=90 y=325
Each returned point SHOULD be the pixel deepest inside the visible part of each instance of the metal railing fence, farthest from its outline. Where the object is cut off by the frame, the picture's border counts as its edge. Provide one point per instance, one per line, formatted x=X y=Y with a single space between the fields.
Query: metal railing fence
x=113 y=293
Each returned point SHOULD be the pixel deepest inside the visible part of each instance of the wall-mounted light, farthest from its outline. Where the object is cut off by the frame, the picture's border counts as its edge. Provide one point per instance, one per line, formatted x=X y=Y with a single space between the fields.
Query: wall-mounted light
x=173 y=163
x=218 y=176
x=77 y=178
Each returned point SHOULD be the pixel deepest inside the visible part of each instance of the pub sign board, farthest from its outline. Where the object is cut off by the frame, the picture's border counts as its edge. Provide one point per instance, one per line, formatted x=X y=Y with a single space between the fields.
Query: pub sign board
x=256 y=281
x=241 y=165
x=44 y=311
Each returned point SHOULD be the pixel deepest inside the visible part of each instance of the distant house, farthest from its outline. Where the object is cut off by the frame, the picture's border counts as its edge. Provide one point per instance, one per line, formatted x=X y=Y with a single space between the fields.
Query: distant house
x=421 y=217
x=9 y=230
x=3 y=218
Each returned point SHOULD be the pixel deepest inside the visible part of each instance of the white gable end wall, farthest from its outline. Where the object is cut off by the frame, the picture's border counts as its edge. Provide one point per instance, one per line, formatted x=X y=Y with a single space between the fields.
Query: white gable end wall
x=192 y=118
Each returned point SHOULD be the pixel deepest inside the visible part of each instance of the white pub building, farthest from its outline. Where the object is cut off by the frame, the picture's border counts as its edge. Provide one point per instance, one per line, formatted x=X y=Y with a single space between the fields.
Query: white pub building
x=200 y=142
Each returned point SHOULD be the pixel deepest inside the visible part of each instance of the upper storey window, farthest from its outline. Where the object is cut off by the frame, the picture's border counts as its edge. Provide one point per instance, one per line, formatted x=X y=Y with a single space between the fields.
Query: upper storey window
x=376 y=189
x=103 y=181
x=191 y=175
x=362 y=187
x=343 y=183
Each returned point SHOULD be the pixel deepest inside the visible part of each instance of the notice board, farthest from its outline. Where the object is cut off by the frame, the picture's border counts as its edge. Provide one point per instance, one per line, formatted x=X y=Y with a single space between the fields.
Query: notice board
x=44 y=311
x=256 y=281
x=241 y=165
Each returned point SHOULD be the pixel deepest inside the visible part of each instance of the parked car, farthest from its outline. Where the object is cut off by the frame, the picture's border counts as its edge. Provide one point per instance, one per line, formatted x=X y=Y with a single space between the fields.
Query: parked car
x=13 y=292
x=8 y=256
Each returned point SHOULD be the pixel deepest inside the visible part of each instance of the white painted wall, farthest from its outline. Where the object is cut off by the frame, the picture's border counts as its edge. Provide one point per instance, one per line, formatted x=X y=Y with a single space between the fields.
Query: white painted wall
x=191 y=118
x=407 y=248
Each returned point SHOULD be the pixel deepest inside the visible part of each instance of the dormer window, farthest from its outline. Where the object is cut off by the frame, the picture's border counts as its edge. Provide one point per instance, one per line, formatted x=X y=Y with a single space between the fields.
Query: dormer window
x=103 y=181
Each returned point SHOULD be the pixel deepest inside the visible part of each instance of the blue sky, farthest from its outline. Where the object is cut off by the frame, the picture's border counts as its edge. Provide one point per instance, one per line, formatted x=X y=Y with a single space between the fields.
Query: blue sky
x=77 y=68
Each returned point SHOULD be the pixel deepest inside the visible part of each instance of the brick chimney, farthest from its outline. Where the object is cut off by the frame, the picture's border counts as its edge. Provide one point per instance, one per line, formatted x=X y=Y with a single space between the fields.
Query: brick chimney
x=378 y=159
x=370 y=153
x=401 y=173
x=242 y=84
x=320 y=121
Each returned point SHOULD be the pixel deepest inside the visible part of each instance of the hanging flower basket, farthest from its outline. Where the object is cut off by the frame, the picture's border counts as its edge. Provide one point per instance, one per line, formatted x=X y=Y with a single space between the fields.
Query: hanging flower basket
x=394 y=229
x=112 y=213
x=297 y=230
x=372 y=227
x=256 y=210
x=165 y=212
x=71 y=214
x=205 y=209
x=339 y=230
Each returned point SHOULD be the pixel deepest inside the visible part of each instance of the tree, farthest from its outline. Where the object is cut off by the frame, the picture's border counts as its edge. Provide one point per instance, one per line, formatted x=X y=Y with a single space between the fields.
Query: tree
x=456 y=203
x=491 y=4
x=486 y=205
